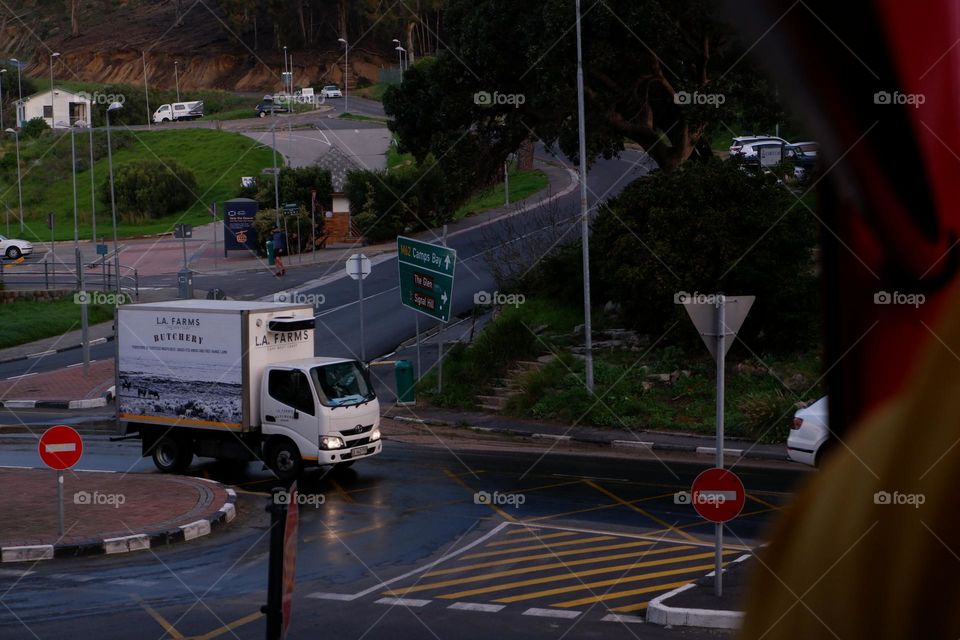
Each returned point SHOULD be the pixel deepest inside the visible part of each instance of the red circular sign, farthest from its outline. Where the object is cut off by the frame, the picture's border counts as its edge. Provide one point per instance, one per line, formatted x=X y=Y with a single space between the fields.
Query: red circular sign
x=717 y=495
x=60 y=447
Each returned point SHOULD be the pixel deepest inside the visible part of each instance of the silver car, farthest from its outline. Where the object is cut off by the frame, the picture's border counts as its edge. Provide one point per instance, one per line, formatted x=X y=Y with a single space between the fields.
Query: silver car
x=809 y=434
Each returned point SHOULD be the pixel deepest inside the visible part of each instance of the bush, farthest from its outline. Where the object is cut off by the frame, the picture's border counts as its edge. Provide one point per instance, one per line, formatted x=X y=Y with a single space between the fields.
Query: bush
x=709 y=228
x=151 y=189
x=34 y=128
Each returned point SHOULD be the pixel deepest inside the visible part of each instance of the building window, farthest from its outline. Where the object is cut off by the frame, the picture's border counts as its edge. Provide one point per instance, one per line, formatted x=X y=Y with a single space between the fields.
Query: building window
x=48 y=111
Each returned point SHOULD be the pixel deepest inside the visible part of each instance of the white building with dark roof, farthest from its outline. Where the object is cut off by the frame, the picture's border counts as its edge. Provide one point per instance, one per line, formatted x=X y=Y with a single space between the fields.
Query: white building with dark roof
x=67 y=109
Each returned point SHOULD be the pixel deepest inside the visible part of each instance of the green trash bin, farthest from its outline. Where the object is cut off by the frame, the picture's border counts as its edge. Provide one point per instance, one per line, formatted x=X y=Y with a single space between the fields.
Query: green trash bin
x=271 y=257
x=405 y=382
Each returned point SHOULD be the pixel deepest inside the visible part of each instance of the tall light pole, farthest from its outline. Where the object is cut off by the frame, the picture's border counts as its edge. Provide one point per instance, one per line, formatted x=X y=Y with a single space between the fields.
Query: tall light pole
x=52 y=119
x=19 y=185
x=93 y=189
x=19 y=88
x=285 y=69
x=116 y=106
x=276 y=174
x=176 y=77
x=584 y=212
x=84 y=319
x=346 y=73
x=146 y=90
x=401 y=51
x=2 y=71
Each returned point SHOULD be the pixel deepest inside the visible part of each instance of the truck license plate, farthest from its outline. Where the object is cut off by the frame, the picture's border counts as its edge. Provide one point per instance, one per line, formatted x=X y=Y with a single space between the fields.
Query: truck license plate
x=359 y=451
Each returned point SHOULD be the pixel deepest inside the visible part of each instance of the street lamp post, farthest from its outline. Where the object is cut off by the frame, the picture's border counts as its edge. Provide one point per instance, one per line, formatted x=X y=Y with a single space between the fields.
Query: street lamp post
x=53 y=120
x=16 y=137
x=2 y=71
x=116 y=106
x=84 y=319
x=276 y=174
x=285 y=69
x=346 y=73
x=93 y=190
x=401 y=51
x=19 y=89
x=176 y=77
x=584 y=214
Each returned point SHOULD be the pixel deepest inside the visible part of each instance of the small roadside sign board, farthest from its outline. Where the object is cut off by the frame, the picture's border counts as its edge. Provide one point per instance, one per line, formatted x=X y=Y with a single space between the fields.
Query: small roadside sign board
x=702 y=309
x=291 y=208
x=102 y=249
x=290 y=535
x=717 y=495
x=183 y=230
x=60 y=447
x=426 y=277
x=358 y=266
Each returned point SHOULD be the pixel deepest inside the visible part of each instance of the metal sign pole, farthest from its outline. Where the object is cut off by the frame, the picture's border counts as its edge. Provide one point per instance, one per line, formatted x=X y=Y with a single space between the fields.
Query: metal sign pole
x=363 y=342
x=60 y=502
x=443 y=326
x=721 y=360
x=214 y=207
x=416 y=318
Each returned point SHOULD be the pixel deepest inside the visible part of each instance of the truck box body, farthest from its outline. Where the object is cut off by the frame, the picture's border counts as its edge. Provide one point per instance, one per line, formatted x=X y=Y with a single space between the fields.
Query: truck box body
x=198 y=363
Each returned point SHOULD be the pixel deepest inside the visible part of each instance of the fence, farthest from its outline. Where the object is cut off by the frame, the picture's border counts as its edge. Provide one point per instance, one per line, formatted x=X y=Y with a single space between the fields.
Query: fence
x=56 y=275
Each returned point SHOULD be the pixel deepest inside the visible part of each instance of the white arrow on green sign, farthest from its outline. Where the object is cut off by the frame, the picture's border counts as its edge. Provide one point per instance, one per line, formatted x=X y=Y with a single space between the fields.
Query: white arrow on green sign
x=426 y=277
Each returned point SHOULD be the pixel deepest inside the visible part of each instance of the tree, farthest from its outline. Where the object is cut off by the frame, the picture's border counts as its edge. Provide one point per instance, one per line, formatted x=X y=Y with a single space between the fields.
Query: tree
x=151 y=188
x=661 y=73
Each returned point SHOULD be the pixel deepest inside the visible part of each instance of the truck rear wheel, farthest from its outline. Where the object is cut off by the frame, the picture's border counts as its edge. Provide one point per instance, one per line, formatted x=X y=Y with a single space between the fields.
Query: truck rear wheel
x=284 y=458
x=172 y=455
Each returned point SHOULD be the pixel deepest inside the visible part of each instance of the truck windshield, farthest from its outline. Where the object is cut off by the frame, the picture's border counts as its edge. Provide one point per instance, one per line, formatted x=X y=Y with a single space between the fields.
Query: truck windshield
x=342 y=384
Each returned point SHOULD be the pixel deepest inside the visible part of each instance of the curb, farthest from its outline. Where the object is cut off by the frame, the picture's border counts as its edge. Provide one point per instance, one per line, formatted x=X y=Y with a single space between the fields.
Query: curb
x=49 y=352
x=126 y=544
x=642 y=445
x=86 y=403
x=659 y=613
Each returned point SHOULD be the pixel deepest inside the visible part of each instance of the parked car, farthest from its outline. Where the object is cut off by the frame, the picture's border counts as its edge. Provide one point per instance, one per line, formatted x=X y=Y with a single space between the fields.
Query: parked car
x=14 y=248
x=809 y=434
x=331 y=91
x=270 y=105
x=179 y=111
x=804 y=156
x=744 y=145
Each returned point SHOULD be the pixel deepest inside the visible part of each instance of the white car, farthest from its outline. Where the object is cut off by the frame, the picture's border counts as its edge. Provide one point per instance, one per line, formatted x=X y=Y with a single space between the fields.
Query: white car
x=744 y=145
x=331 y=91
x=14 y=248
x=809 y=434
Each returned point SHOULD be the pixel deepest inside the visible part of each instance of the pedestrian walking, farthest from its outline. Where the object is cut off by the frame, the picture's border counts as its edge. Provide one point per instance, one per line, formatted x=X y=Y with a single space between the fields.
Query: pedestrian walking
x=279 y=249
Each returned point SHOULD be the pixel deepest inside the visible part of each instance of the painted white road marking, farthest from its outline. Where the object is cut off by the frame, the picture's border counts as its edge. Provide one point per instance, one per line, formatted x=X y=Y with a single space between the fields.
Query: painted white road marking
x=551 y=613
x=613 y=617
x=403 y=602
x=476 y=606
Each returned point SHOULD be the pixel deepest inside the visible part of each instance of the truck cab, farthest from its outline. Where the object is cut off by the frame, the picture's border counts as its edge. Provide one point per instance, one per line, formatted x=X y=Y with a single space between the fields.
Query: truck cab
x=318 y=411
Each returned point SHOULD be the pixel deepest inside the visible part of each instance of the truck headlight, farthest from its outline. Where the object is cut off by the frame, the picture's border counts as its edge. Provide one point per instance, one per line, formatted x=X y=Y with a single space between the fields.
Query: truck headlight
x=374 y=435
x=331 y=442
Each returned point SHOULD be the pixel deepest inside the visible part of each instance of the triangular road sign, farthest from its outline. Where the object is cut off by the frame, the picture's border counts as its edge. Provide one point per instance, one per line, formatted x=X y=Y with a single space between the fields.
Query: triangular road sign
x=703 y=311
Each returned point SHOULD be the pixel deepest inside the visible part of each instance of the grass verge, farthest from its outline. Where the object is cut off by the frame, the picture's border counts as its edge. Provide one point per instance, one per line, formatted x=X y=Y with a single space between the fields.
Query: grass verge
x=25 y=321
x=522 y=184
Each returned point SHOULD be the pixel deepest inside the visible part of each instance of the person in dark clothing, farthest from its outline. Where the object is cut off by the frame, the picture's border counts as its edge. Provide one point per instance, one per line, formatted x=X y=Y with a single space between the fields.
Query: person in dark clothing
x=279 y=248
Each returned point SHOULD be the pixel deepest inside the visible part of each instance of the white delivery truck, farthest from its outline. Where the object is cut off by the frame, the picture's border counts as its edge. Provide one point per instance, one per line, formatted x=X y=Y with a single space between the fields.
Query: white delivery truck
x=238 y=380
x=179 y=111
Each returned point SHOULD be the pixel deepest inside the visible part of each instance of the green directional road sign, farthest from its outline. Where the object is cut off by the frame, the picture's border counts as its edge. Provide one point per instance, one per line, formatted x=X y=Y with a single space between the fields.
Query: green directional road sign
x=426 y=277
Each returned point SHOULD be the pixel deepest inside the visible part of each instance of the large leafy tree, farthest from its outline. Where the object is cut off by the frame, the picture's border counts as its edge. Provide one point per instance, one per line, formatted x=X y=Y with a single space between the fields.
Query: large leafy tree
x=665 y=74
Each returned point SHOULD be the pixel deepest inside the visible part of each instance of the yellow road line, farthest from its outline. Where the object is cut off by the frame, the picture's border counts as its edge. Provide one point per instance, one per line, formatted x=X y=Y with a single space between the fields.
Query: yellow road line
x=629 y=505
x=159 y=619
x=534 y=547
x=547 y=579
x=597 y=508
x=602 y=583
x=500 y=512
x=533 y=538
x=230 y=626
x=541 y=556
x=764 y=502
x=340 y=491
x=613 y=595
x=547 y=486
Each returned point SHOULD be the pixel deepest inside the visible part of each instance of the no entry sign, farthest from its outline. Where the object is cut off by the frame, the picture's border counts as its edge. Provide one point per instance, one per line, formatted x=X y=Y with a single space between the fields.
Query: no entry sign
x=717 y=495
x=60 y=447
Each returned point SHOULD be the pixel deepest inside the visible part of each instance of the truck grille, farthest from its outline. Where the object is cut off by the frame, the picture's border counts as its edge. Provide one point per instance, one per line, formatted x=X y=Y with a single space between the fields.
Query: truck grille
x=357 y=430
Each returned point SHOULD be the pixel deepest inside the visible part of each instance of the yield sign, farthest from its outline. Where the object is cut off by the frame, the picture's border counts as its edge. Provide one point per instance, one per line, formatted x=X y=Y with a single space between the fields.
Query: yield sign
x=702 y=309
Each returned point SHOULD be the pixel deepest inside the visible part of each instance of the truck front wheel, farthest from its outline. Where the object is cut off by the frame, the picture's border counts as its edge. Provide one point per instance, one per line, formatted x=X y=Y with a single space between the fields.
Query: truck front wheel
x=172 y=455
x=284 y=458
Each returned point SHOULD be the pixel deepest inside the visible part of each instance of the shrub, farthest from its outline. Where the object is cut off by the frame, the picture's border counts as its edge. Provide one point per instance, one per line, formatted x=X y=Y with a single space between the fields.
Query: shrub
x=34 y=128
x=151 y=188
